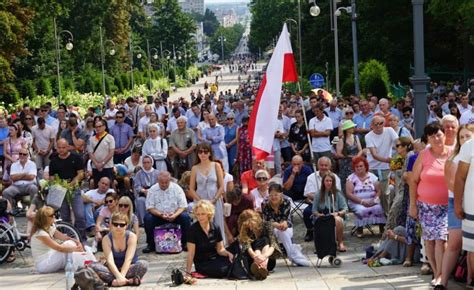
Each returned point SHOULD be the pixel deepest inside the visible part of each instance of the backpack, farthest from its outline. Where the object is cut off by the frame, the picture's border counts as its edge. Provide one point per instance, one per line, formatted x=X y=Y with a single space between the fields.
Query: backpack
x=87 y=279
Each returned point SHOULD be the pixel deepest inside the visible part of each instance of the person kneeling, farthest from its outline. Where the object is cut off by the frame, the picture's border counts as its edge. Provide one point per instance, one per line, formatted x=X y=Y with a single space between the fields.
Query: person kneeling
x=123 y=267
x=205 y=244
x=329 y=200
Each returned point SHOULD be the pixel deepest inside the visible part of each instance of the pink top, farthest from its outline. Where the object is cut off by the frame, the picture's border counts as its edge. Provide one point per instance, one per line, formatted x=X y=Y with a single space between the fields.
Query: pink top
x=432 y=188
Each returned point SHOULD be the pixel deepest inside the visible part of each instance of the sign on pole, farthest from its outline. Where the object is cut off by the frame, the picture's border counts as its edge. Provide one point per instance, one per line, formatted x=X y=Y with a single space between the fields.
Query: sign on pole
x=316 y=80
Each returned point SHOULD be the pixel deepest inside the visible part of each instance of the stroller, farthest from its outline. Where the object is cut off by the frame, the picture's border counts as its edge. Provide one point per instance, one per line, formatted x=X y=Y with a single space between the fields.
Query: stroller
x=325 y=239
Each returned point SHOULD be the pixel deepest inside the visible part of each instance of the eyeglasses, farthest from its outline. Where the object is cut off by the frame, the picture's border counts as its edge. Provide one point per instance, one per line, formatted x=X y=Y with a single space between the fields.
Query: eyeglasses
x=349 y=113
x=203 y=151
x=262 y=178
x=23 y=154
x=118 y=117
x=28 y=118
x=406 y=115
x=379 y=124
x=109 y=201
x=124 y=206
x=399 y=145
x=44 y=110
x=119 y=225
x=98 y=126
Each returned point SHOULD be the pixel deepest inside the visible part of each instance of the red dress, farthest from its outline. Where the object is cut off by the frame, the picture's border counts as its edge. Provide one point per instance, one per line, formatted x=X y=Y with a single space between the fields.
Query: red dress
x=244 y=151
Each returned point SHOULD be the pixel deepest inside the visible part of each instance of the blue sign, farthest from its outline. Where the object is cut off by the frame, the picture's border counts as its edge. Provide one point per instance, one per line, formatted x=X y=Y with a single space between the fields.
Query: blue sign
x=316 y=80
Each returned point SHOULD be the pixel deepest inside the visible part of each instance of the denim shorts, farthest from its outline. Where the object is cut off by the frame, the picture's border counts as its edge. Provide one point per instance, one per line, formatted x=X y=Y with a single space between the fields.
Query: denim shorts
x=453 y=221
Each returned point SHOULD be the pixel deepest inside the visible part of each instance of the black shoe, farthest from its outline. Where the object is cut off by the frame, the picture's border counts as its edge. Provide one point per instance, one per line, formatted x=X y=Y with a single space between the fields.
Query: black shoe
x=148 y=250
x=309 y=236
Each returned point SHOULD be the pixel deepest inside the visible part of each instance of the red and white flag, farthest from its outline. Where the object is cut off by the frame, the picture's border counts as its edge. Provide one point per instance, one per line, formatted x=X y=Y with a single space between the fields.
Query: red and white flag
x=263 y=121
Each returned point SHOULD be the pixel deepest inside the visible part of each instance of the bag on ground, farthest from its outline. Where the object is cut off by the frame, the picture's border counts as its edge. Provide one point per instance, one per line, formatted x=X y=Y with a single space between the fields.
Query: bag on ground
x=168 y=239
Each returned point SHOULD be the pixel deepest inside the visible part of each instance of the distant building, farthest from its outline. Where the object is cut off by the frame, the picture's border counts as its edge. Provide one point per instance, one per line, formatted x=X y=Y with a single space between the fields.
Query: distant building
x=189 y=6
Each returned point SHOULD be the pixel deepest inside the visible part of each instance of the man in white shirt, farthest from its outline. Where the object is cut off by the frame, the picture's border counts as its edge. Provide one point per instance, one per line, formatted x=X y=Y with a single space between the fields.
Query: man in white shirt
x=159 y=109
x=320 y=128
x=380 y=142
x=313 y=185
x=94 y=199
x=468 y=116
x=464 y=104
x=23 y=175
x=43 y=140
x=165 y=203
x=143 y=122
x=109 y=115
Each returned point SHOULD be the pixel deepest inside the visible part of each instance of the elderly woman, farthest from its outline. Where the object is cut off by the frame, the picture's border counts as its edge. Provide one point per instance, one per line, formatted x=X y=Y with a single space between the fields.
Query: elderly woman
x=465 y=133
x=205 y=244
x=49 y=255
x=145 y=178
x=394 y=122
x=261 y=192
x=123 y=267
x=156 y=147
x=231 y=139
x=363 y=192
x=329 y=201
x=400 y=198
x=347 y=148
x=277 y=210
x=429 y=196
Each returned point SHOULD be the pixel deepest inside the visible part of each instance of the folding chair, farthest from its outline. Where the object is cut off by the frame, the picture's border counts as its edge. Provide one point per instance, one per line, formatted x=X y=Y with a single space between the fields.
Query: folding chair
x=368 y=227
x=298 y=206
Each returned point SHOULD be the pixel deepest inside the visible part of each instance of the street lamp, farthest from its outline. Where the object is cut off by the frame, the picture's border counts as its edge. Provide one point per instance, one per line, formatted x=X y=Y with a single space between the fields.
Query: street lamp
x=337 y=13
x=167 y=53
x=155 y=56
x=69 y=46
x=314 y=10
x=102 y=56
x=139 y=56
x=222 y=40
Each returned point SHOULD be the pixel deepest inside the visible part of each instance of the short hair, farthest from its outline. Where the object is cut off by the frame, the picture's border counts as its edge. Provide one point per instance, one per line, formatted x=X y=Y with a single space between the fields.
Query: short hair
x=449 y=118
x=182 y=118
x=112 y=194
x=206 y=206
x=234 y=194
x=154 y=126
x=262 y=171
x=433 y=128
x=275 y=187
x=325 y=158
x=357 y=160
x=407 y=109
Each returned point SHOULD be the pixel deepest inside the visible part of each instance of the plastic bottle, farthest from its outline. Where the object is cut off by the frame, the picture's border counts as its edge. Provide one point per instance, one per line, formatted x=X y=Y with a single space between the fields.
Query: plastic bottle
x=69 y=273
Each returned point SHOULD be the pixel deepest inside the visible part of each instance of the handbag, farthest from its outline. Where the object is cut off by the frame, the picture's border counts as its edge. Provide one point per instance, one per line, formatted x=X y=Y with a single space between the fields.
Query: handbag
x=239 y=269
x=168 y=239
x=460 y=271
x=87 y=279
x=177 y=277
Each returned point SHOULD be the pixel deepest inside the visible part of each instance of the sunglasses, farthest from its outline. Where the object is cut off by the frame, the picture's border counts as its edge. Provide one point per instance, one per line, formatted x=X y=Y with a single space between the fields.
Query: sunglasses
x=109 y=201
x=349 y=113
x=399 y=145
x=118 y=117
x=119 y=225
x=262 y=178
x=203 y=151
x=406 y=115
x=379 y=124
x=123 y=205
x=23 y=154
x=28 y=118
x=99 y=126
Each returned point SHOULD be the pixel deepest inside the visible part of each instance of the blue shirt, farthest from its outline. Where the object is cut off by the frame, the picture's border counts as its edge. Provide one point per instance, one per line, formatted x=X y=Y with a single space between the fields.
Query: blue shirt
x=215 y=136
x=121 y=133
x=299 y=183
x=193 y=121
x=3 y=136
x=363 y=122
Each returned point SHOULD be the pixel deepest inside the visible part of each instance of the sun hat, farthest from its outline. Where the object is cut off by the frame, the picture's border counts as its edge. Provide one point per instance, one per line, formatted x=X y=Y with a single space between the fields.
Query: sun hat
x=347 y=125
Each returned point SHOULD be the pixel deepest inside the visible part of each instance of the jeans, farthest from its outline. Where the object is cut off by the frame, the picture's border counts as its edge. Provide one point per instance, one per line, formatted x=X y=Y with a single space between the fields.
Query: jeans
x=77 y=206
x=90 y=214
x=151 y=221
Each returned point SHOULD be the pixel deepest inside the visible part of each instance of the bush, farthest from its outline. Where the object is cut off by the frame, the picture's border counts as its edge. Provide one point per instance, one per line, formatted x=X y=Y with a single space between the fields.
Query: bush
x=88 y=85
x=369 y=73
x=118 y=83
x=28 y=89
x=377 y=87
x=348 y=87
x=11 y=95
x=44 y=87
x=125 y=81
x=69 y=84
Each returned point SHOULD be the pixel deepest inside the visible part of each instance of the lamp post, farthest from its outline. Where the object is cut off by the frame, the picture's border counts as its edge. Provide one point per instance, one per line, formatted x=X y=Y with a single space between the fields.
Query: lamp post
x=139 y=56
x=102 y=57
x=222 y=40
x=155 y=56
x=419 y=80
x=337 y=13
x=354 y=48
x=168 y=56
x=69 y=46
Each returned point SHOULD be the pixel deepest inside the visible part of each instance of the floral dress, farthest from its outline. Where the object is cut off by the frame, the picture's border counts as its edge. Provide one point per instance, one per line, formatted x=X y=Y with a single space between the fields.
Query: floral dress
x=345 y=163
x=365 y=189
x=244 y=150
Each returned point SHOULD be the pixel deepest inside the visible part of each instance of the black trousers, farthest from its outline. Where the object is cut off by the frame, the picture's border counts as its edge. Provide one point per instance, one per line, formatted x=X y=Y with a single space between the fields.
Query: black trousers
x=217 y=267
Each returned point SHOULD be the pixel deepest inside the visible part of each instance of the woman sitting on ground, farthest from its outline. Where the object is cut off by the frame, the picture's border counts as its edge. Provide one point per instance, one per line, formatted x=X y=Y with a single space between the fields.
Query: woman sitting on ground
x=49 y=256
x=329 y=200
x=258 y=242
x=125 y=206
x=102 y=224
x=205 y=244
x=123 y=267
x=276 y=209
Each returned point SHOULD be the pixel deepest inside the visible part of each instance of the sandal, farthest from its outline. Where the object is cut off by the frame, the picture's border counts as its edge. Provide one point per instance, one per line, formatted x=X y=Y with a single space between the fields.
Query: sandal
x=11 y=258
x=407 y=263
x=135 y=281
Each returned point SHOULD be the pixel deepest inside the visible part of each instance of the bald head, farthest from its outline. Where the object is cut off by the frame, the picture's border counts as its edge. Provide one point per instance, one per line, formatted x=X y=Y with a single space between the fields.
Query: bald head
x=164 y=178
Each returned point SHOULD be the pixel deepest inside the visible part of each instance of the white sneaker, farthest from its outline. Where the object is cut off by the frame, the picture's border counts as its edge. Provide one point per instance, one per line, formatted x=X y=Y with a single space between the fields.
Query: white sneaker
x=300 y=260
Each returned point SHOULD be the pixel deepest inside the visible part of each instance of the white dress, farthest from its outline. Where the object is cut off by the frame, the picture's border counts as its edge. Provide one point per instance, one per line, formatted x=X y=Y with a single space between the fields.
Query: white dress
x=466 y=155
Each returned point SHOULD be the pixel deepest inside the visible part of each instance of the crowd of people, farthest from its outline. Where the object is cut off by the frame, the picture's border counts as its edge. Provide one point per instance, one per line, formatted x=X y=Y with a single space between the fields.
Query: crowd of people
x=189 y=162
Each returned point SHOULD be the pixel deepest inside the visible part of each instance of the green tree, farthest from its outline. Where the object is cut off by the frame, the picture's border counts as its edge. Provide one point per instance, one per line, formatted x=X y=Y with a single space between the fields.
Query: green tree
x=374 y=78
x=210 y=23
x=232 y=37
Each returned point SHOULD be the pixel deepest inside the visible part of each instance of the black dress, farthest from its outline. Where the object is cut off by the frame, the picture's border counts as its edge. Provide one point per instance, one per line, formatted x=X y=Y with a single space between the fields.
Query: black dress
x=206 y=259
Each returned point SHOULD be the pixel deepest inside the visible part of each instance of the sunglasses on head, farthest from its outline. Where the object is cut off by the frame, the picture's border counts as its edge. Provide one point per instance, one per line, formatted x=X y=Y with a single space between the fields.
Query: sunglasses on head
x=119 y=225
x=124 y=205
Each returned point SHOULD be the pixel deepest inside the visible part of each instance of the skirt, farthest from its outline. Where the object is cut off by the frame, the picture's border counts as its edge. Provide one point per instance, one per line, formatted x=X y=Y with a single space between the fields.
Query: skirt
x=433 y=220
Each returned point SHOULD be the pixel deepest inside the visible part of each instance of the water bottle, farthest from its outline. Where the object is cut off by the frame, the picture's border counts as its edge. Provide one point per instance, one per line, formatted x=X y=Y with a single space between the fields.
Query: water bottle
x=69 y=273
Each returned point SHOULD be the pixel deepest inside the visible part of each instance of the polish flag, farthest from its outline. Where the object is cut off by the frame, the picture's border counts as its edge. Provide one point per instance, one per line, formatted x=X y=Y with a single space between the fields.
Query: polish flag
x=263 y=121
